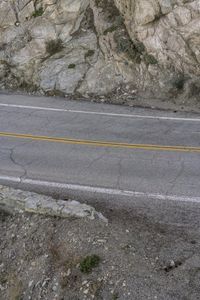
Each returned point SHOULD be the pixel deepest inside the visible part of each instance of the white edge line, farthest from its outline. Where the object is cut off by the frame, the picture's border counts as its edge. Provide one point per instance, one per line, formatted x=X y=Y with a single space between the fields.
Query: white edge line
x=100 y=113
x=99 y=190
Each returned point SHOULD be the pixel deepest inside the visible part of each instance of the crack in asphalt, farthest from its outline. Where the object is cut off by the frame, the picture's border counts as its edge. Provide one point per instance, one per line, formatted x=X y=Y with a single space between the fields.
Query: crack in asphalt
x=15 y=162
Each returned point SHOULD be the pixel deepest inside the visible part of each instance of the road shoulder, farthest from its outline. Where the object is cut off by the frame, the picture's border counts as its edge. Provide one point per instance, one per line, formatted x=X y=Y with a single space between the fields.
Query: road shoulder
x=41 y=257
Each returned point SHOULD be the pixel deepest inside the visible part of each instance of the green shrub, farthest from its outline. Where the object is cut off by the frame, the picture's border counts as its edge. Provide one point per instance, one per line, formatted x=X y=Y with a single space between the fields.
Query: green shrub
x=72 y=66
x=179 y=82
x=150 y=59
x=89 y=53
x=125 y=45
x=88 y=263
x=38 y=12
x=54 y=46
x=110 y=29
x=115 y=296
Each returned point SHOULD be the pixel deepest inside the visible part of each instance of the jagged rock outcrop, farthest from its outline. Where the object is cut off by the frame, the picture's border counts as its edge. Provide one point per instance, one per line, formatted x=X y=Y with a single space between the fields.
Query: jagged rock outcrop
x=99 y=47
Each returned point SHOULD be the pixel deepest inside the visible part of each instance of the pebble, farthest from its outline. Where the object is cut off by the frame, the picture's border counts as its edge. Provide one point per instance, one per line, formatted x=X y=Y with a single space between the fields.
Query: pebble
x=86 y=291
x=54 y=288
x=30 y=283
x=172 y=263
x=2 y=288
x=101 y=241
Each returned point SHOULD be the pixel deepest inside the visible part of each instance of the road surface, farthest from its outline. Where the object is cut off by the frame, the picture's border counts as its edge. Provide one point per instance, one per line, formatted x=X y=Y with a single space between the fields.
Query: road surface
x=99 y=150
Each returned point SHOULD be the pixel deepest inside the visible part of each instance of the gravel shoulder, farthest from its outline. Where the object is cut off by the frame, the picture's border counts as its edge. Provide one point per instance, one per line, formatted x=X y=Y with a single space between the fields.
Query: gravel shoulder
x=40 y=258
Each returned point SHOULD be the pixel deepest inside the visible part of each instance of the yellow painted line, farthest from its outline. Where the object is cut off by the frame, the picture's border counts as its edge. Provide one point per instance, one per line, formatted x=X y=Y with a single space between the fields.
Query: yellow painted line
x=100 y=143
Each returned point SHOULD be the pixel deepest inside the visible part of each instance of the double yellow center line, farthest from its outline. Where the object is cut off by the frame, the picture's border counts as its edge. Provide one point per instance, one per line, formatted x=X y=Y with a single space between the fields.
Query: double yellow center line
x=100 y=143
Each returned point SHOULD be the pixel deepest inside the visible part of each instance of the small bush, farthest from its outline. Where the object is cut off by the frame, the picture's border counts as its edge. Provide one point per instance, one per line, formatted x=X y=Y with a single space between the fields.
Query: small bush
x=72 y=66
x=150 y=59
x=89 y=53
x=125 y=45
x=179 y=82
x=110 y=29
x=25 y=86
x=54 y=46
x=88 y=263
x=38 y=12
x=140 y=47
x=115 y=296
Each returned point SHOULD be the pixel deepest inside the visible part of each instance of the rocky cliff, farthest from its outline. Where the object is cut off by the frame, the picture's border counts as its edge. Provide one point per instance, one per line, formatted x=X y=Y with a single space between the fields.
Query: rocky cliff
x=148 y=48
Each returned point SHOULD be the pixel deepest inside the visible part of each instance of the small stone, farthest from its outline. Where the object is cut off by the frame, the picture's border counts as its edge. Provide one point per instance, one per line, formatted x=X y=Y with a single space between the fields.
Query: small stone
x=54 y=288
x=30 y=283
x=101 y=241
x=2 y=288
x=172 y=263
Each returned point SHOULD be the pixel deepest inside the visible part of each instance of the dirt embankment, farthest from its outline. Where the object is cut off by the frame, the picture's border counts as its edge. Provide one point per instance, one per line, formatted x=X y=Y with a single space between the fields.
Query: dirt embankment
x=46 y=257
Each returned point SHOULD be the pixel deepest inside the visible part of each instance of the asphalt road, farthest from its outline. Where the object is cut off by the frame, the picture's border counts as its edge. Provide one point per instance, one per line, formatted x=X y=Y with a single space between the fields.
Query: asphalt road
x=99 y=150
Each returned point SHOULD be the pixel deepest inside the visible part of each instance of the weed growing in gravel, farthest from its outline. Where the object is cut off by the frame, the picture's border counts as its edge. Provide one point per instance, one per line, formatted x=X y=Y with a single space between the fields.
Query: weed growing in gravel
x=88 y=263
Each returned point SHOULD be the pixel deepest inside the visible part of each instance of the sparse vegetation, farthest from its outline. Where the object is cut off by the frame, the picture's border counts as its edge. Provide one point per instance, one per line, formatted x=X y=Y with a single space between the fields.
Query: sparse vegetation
x=179 y=82
x=71 y=66
x=110 y=29
x=25 y=86
x=38 y=12
x=54 y=46
x=115 y=296
x=109 y=8
x=88 y=263
x=126 y=45
x=55 y=93
x=89 y=53
x=3 y=278
x=150 y=59
x=135 y=50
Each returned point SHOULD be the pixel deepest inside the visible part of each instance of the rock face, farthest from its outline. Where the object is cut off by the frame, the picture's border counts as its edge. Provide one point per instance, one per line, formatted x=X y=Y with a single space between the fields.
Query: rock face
x=97 y=47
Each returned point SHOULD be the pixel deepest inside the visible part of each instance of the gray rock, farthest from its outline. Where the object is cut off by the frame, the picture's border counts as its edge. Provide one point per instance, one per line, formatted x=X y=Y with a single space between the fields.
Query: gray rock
x=139 y=42
x=16 y=200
